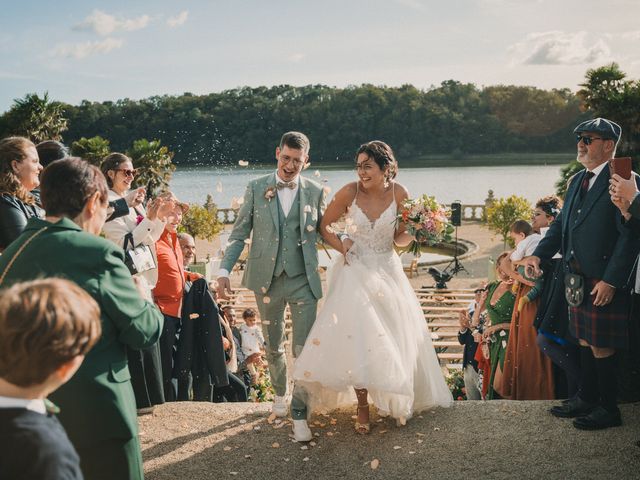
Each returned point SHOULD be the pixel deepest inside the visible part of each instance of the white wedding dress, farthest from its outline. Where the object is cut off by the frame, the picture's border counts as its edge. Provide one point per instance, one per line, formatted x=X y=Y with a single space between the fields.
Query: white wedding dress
x=371 y=332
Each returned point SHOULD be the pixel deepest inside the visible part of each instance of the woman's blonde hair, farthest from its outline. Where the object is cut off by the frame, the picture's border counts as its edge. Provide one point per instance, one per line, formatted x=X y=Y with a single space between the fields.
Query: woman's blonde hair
x=14 y=148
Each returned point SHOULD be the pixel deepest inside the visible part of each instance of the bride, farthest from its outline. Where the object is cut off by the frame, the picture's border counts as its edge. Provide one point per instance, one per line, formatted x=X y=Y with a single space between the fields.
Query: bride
x=370 y=337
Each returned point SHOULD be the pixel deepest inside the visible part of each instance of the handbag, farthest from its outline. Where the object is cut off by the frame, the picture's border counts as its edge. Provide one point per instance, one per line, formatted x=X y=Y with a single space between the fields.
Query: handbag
x=138 y=259
x=574 y=289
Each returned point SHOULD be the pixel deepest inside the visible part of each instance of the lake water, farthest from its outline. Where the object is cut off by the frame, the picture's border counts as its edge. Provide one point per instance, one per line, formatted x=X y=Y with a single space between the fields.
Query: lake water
x=466 y=184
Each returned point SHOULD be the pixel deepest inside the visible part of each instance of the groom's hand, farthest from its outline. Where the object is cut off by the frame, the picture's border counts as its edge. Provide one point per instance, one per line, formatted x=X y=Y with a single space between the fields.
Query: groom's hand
x=224 y=287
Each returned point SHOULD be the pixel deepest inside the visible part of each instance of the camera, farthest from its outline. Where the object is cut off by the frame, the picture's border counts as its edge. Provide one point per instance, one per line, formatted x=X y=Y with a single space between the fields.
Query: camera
x=441 y=278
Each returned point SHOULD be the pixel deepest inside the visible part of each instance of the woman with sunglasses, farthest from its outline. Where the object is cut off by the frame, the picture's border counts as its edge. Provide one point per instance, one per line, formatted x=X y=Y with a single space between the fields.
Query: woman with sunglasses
x=146 y=227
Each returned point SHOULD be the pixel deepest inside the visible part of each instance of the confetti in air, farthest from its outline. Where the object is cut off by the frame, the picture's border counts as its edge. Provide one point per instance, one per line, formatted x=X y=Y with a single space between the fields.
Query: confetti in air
x=243 y=163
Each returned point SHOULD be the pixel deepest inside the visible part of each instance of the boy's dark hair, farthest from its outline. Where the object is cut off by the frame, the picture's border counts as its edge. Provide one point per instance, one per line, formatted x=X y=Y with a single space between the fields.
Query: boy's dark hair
x=249 y=313
x=43 y=325
x=521 y=226
x=296 y=140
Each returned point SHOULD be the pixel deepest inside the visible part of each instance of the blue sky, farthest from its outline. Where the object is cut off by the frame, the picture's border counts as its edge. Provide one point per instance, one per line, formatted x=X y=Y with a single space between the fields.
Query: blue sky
x=99 y=50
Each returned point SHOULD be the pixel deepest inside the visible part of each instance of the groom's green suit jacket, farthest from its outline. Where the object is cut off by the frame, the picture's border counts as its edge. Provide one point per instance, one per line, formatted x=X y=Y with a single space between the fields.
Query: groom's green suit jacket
x=258 y=220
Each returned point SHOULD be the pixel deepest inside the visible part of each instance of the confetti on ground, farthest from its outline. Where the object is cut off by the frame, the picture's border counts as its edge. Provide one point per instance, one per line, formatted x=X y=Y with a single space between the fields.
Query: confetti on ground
x=411 y=452
x=313 y=444
x=275 y=445
x=397 y=447
x=375 y=463
x=436 y=429
x=304 y=447
x=271 y=418
x=420 y=435
x=243 y=421
x=256 y=427
x=226 y=449
x=329 y=434
x=233 y=473
x=247 y=456
x=305 y=459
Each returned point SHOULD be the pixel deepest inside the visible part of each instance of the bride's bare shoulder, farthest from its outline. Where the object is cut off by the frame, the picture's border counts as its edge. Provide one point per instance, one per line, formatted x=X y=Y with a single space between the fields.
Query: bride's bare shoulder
x=347 y=193
x=401 y=192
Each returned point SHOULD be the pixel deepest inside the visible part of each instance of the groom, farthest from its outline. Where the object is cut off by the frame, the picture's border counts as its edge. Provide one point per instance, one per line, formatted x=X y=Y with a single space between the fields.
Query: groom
x=281 y=216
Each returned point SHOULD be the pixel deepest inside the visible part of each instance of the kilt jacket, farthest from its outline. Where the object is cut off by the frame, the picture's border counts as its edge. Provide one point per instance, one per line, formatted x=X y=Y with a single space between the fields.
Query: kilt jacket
x=591 y=232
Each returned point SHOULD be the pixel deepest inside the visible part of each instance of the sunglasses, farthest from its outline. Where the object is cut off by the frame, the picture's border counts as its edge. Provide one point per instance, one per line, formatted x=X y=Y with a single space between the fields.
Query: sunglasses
x=587 y=140
x=128 y=173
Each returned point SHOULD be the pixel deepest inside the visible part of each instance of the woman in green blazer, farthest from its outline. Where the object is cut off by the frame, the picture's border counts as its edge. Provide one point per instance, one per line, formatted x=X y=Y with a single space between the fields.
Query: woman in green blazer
x=97 y=405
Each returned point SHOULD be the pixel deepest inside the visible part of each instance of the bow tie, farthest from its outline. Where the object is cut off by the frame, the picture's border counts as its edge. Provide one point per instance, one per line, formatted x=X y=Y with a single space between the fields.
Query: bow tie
x=281 y=185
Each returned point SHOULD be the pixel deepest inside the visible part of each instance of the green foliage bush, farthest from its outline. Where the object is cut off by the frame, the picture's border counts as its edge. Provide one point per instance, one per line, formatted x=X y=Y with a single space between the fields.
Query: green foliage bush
x=504 y=211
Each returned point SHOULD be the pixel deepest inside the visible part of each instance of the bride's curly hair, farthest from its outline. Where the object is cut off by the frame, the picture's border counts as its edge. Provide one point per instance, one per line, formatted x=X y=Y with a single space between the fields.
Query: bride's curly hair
x=382 y=154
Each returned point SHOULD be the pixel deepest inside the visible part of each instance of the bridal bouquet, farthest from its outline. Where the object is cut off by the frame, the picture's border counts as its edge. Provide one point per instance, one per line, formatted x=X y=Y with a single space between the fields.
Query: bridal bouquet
x=427 y=220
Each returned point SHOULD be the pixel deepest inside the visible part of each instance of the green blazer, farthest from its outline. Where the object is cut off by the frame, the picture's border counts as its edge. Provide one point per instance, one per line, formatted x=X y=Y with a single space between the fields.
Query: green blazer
x=98 y=402
x=259 y=214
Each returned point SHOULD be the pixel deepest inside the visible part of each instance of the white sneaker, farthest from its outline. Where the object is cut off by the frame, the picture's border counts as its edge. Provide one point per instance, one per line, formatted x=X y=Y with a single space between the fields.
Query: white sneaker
x=301 y=431
x=280 y=408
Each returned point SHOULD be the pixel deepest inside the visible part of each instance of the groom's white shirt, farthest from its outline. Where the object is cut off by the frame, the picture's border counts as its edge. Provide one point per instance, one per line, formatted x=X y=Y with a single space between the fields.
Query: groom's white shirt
x=286 y=196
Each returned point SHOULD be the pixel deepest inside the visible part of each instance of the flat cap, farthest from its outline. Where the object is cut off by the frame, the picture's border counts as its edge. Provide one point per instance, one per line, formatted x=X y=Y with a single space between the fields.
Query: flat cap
x=602 y=126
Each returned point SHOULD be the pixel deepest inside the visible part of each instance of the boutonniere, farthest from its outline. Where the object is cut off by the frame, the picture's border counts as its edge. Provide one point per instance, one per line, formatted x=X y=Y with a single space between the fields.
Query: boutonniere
x=139 y=219
x=270 y=193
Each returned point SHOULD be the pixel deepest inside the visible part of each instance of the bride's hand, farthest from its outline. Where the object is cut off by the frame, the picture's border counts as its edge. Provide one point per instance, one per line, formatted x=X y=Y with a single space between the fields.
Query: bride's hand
x=347 y=243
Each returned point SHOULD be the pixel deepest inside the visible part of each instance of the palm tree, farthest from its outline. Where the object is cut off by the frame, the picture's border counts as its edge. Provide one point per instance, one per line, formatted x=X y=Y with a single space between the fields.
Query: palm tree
x=36 y=118
x=153 y=162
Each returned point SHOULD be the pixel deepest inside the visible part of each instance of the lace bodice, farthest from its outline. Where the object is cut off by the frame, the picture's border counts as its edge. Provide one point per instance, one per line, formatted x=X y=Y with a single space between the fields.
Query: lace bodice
x=372 y=236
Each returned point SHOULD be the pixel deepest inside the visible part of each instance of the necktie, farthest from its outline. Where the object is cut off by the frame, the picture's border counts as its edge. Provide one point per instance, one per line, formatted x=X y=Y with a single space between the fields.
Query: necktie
x=584 y=187
x=281 y=185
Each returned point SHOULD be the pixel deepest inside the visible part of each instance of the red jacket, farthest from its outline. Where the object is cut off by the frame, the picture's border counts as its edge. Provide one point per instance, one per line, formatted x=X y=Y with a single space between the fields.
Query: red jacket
x=171 y=275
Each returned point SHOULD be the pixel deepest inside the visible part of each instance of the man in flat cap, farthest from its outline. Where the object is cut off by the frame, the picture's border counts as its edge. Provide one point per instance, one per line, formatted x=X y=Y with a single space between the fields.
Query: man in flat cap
x=597 y=251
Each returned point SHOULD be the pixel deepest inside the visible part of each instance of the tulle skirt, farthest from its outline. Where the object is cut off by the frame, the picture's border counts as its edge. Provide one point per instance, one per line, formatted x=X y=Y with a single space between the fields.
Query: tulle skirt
x=371 y=333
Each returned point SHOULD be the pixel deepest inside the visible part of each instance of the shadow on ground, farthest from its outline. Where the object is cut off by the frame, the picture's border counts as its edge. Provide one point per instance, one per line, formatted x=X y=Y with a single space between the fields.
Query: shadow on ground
x=499 y=439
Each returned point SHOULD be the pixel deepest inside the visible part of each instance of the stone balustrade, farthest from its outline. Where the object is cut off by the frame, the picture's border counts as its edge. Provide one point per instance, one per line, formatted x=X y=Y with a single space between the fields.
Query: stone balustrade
x=470 y=212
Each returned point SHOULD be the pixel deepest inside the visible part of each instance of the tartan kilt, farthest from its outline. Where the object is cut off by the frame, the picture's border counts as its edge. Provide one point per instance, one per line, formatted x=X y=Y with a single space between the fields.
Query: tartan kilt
x=605 y=327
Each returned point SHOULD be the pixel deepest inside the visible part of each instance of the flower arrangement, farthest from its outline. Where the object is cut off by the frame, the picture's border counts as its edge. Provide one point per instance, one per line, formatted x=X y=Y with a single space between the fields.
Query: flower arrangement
x=427 y=220
x=455 y=382
x=262 y=389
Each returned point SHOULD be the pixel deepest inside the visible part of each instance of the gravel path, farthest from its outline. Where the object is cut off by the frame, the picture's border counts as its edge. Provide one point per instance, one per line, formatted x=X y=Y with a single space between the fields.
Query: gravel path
x=496 y=440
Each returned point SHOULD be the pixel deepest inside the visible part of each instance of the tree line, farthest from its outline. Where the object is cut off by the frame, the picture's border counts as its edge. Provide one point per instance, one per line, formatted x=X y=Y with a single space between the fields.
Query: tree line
x=453 y=119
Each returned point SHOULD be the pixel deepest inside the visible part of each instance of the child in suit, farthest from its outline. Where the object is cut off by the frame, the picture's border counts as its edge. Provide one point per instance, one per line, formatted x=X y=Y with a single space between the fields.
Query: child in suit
x=46 y=329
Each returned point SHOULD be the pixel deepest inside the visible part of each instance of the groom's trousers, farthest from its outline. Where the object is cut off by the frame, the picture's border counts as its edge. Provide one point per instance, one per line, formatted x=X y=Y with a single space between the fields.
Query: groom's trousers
x=295 y=292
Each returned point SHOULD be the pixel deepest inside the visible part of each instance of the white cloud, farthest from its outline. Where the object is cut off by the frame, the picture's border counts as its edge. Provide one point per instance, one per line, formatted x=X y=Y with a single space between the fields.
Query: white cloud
x=85 y=49
x=413 y=4
x=559 y=48
x=104 y=24
x=178 y=20
x=297 y=57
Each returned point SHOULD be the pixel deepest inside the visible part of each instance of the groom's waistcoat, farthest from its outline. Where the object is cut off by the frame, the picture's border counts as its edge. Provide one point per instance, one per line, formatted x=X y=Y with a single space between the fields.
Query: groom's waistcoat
x=290 y=258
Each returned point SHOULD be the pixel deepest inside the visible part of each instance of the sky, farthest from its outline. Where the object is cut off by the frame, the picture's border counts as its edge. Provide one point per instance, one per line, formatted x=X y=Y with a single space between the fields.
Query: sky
x=107 y=50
